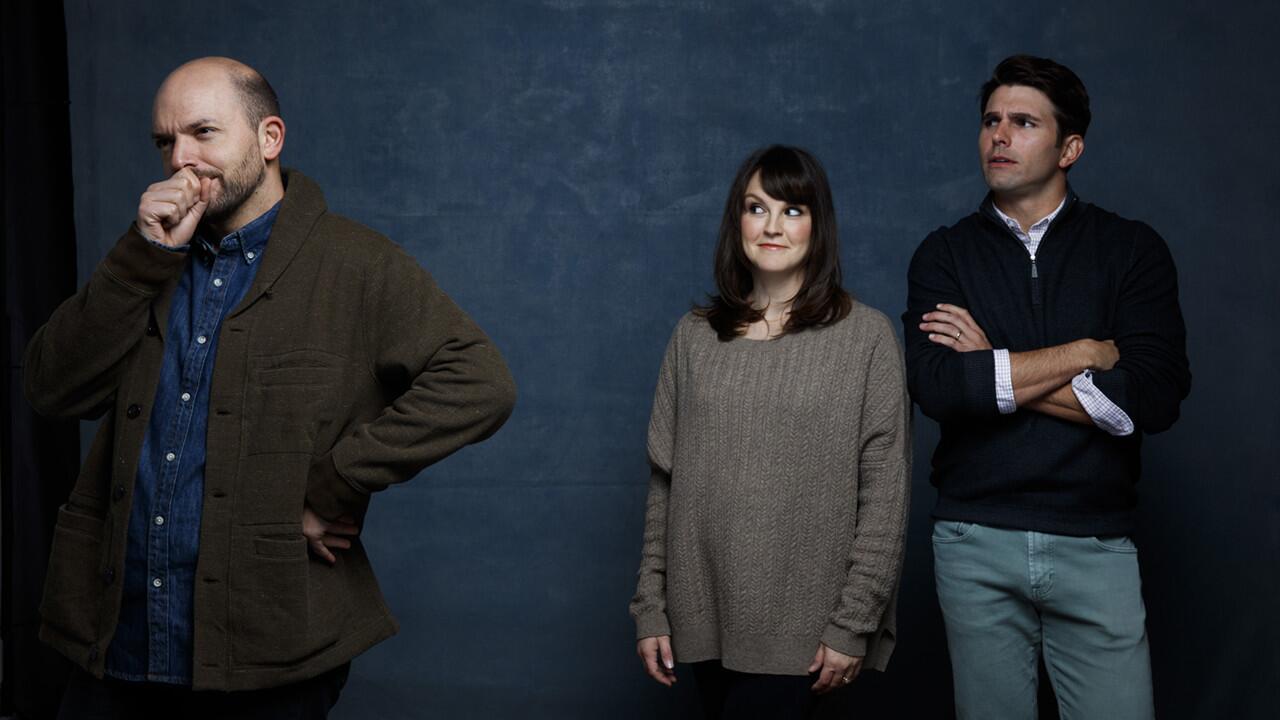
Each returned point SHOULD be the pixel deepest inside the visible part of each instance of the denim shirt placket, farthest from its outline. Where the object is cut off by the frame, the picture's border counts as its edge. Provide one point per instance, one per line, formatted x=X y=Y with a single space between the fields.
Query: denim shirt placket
x=155 y=630
x=217 y=281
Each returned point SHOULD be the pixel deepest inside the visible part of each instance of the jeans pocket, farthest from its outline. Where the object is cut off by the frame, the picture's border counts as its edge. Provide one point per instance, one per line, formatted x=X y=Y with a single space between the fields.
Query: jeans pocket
x=1115 y=543
x=952 y=531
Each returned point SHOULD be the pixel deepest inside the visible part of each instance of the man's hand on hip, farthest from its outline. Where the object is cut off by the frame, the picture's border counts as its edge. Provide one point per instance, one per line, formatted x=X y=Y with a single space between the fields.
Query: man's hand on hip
x=170 y=210
x=325 y=534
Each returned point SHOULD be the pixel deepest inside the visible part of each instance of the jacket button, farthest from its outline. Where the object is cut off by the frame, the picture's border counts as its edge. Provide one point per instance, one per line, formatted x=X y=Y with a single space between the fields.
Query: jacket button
x=117 y=493
x=151 y=330
x=108 y=576
x=93 y=653
x=134 y=411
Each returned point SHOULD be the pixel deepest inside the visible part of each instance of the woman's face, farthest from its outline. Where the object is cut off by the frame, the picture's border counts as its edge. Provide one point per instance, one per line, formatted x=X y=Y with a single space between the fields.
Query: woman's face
x=775 y=234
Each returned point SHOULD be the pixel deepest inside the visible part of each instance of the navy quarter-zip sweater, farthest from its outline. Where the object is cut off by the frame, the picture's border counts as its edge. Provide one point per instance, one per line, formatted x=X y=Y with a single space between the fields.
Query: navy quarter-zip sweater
x=1095 y=275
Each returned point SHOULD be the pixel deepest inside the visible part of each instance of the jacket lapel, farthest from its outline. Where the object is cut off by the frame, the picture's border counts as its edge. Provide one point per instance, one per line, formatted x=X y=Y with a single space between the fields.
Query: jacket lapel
x=301 y=208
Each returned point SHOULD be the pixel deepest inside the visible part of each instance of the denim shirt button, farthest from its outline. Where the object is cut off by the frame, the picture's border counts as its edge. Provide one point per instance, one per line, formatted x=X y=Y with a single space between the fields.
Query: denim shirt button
x=117 y=493
x=152 y=330
x=134 y=411
x=108 y=576
x=93 y=653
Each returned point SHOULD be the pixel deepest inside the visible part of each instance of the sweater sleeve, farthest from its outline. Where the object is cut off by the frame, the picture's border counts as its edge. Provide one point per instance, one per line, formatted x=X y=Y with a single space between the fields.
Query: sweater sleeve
x=449 y=384
x=884 y=485
x=947 y=385
x=73 y=362
x=649 y=605
x=1153 y=375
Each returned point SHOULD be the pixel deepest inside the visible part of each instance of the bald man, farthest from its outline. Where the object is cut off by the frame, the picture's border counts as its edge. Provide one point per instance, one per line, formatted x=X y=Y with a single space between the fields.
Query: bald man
x=261 y=367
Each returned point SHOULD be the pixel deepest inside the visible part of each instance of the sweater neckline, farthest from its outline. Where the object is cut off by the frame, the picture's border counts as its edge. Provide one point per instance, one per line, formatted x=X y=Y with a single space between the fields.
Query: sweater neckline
x=777 y=342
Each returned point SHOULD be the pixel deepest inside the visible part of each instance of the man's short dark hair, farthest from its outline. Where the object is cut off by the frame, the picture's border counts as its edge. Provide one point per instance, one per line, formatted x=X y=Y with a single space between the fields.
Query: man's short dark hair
x=1064 y=89
x=257 y=96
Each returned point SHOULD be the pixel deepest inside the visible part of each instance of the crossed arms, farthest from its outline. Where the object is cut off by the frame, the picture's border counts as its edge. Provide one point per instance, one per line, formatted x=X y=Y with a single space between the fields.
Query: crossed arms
x=1041 y=378
x=1141 y=368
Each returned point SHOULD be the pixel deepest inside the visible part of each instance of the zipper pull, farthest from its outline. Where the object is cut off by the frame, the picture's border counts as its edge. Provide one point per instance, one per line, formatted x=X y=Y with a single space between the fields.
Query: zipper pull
x=1036 y=300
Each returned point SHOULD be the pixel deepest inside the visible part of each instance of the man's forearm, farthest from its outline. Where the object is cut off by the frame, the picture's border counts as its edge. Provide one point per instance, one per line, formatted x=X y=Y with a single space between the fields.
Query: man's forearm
x=1061 y=403
x=1037 y=373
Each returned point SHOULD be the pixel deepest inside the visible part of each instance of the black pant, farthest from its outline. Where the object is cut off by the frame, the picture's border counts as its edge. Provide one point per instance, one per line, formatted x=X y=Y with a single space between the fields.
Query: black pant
x=88 y=698
x=732 y=695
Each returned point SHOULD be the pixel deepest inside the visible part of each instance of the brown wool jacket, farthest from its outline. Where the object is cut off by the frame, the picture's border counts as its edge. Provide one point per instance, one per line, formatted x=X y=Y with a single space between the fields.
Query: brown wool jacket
x=344 y=370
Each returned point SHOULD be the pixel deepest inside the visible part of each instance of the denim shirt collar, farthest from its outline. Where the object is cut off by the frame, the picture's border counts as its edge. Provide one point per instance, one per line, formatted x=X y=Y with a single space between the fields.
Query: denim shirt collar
x=248 y=240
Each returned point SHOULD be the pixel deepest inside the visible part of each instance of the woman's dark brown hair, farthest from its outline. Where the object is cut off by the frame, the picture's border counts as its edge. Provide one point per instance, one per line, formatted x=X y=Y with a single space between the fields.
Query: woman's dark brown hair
x=793 y=176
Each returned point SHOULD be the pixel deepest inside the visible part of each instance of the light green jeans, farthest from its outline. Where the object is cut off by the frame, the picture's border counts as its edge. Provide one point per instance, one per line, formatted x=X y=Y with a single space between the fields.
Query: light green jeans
x=1009 y=595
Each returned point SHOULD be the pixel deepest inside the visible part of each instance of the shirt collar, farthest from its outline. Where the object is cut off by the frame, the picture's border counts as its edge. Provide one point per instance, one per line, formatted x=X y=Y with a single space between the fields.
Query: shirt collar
x=248 y=240
x=1038 y=226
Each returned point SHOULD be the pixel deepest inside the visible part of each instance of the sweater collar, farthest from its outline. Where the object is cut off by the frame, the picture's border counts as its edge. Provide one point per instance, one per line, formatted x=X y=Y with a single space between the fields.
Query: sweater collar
x=988 y=208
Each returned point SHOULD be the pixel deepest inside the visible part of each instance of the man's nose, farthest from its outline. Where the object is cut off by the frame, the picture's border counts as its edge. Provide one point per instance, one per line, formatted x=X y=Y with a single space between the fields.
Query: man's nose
x=183 y=154
x=1000 y=133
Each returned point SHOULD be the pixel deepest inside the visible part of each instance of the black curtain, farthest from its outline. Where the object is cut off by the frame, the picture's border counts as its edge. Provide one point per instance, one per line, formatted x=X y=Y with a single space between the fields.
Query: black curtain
x=38 y=458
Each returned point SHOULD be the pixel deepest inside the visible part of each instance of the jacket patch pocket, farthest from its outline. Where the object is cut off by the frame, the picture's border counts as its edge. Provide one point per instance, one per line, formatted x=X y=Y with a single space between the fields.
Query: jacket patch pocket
x=73 y=587
x=288 y=405
x=283 y=546
x=270 y=613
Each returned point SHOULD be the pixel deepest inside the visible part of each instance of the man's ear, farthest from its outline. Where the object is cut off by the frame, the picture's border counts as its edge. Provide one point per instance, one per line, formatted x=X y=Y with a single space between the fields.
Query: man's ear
x=1072 y=149
x=271 y=137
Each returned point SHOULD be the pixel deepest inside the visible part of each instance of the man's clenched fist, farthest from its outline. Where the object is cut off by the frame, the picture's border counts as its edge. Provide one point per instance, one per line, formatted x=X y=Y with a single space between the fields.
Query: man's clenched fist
x=170 y=210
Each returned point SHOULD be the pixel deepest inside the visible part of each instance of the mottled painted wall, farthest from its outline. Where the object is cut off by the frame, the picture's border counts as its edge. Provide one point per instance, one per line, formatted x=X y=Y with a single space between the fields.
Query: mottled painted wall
x=560 y=168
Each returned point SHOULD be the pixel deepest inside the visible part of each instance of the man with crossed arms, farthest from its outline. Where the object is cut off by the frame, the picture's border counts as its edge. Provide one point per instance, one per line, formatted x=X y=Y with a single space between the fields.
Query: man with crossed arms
x=1044 y=335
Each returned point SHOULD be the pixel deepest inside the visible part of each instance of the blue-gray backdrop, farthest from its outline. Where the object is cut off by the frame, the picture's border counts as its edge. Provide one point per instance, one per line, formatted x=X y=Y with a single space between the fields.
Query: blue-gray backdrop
x=560 y=167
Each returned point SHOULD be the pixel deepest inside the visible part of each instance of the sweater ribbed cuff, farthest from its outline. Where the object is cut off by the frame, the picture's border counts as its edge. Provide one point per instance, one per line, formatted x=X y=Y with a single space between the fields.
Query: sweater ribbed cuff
x=979 y=388
x=1114 y=384
x=843 y=641
x=652 y=625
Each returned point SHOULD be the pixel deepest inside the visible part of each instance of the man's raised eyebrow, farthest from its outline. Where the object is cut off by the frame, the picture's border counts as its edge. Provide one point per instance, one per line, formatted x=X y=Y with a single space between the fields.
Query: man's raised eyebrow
x=1024 y=116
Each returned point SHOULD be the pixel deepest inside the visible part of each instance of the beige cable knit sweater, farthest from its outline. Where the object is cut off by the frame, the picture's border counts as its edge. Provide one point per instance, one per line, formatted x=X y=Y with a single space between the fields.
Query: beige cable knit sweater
x=778 y=497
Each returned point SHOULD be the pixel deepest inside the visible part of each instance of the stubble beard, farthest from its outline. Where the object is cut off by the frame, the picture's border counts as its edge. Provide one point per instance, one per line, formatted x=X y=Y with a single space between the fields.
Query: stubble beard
x=237 y=186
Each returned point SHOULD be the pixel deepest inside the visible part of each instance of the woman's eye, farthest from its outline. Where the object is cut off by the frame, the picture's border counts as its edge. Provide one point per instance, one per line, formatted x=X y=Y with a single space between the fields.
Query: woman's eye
x=794 y=212
x=755 y=209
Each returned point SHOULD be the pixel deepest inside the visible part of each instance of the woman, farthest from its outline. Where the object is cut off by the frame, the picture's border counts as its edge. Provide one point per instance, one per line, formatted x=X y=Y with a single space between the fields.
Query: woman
x=779 y=446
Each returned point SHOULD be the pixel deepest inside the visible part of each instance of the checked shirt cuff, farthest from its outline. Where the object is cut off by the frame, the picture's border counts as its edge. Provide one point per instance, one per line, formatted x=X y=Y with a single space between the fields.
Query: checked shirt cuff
x=1105 y=414
x=1004 y=383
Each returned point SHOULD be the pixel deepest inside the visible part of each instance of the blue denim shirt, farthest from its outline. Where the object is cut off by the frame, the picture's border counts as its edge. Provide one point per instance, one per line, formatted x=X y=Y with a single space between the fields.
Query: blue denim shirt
x=153 y=640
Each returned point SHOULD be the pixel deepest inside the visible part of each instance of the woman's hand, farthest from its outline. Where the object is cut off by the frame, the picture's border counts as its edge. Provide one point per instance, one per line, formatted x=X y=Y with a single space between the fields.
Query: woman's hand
x=837 y=669
x=655 y=653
